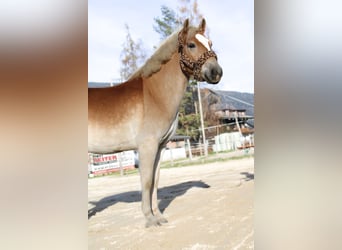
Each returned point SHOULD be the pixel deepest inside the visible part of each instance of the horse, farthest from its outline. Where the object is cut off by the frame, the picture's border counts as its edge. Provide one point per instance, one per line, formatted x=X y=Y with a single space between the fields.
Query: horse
x=142 y=113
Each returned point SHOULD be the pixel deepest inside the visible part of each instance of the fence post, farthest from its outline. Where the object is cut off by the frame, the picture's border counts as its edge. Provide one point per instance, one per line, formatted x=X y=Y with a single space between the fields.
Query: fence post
x=171 y=156
x=90 y=165
x=189 y=148
x=120 y=164
x=201 y=117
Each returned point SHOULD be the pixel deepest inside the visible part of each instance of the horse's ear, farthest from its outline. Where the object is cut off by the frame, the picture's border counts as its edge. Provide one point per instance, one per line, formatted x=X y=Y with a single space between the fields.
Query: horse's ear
x=186 y=26
x=183 y=33
x=201 y=27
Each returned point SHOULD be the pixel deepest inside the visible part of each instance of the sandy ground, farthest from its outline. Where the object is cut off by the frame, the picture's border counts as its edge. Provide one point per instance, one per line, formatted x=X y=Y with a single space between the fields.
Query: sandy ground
x=208 y=207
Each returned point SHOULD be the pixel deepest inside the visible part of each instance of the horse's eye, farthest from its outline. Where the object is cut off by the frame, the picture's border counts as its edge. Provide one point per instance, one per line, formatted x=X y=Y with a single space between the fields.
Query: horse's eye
x=191 y=45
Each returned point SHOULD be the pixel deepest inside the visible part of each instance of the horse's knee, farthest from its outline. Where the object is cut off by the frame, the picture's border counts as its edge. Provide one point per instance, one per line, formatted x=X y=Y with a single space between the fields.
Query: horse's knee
x=146 y=185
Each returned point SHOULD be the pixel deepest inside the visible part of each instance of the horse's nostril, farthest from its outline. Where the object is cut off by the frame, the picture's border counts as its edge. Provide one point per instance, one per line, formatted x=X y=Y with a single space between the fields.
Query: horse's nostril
x=213 y=72
x=216 y=72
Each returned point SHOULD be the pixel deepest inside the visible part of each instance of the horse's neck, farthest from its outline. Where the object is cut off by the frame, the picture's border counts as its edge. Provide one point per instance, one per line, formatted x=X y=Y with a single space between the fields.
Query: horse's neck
x=168 y=85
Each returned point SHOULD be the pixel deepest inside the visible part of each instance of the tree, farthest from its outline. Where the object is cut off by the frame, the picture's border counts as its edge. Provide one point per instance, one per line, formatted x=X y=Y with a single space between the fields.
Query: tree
x=167 y=24
x=189 y=9
x=132 y=55
x=171 y=19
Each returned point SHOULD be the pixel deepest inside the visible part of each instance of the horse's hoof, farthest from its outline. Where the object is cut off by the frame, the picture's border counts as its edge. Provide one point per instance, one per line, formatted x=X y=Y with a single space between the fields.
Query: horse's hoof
x=152 y=222
x=162 y=220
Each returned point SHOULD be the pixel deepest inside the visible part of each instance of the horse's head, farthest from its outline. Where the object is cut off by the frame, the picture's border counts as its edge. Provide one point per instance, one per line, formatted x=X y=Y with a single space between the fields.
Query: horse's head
x=196 y=56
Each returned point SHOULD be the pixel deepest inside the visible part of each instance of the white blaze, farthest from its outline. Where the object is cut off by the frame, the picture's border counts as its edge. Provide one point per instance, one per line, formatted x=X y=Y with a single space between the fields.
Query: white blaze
x=202 y=39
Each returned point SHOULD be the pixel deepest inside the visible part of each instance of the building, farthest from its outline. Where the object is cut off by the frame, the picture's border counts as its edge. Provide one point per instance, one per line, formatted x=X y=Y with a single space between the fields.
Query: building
x=235 y=120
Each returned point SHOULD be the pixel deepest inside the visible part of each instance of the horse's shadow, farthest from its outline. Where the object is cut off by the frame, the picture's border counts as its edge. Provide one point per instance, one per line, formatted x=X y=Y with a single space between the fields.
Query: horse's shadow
x=165 y=194
x=248 y=176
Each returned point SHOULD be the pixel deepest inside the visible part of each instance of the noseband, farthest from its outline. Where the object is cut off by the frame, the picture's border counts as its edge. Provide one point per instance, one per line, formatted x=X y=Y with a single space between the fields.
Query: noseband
x=190 y=67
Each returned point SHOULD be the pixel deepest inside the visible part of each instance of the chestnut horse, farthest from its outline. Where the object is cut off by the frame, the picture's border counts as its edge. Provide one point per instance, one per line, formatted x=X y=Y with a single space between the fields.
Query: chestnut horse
x=142 y=112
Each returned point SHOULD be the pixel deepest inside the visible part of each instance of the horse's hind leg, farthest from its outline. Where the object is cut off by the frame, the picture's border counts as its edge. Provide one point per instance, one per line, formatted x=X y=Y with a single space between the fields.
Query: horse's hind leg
x=155 y=208
x=147 y=154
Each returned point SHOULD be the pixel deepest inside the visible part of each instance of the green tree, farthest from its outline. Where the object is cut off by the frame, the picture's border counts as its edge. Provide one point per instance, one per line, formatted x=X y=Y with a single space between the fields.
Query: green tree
x=166 y=24
x=189 y=119
x=171 y=19
x=132 y=55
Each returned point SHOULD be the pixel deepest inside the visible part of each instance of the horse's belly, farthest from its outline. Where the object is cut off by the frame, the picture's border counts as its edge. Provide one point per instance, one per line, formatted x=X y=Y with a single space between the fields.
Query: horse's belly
x=107 y=140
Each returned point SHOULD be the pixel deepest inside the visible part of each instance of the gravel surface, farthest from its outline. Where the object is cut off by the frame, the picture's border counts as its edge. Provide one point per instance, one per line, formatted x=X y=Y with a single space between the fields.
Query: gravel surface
x=208 y=206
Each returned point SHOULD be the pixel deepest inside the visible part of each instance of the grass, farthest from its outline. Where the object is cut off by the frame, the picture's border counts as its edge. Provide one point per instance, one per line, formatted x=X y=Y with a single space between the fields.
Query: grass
x=212 y=157
x=202 y=160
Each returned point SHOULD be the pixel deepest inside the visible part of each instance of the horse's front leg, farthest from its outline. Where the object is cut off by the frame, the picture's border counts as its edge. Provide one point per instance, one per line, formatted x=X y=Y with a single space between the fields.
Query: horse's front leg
x=155 y=207
x=147 y=155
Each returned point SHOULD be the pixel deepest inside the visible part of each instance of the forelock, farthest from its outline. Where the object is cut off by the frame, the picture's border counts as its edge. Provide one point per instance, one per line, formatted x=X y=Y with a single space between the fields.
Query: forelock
x=203 y=40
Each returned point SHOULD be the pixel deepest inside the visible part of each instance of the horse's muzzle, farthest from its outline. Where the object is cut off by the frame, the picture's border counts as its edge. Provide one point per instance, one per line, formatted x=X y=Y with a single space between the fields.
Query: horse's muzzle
x=213 y=73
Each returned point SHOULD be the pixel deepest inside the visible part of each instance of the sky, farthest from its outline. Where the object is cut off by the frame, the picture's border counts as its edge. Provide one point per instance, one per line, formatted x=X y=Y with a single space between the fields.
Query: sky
x=231 y=25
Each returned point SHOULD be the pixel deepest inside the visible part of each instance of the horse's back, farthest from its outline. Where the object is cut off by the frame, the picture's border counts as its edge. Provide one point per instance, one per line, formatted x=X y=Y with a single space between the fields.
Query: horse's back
x=123 y=92
x=114 y=116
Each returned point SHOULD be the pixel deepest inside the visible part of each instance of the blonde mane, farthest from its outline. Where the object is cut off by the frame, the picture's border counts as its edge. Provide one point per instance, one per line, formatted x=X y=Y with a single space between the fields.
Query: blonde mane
x=161 y=56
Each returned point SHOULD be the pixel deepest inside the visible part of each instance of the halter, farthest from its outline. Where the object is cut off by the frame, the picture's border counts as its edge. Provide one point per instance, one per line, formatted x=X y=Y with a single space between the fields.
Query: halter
x=190 y=67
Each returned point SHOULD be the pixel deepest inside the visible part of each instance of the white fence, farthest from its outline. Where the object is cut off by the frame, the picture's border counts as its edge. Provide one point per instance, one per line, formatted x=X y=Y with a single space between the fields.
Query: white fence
x=105 y=163
x=173 y=154
x=231 y=141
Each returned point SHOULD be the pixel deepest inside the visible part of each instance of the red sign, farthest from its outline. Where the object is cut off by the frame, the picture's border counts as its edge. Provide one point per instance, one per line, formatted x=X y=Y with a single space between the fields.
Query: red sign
x=104 y=158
